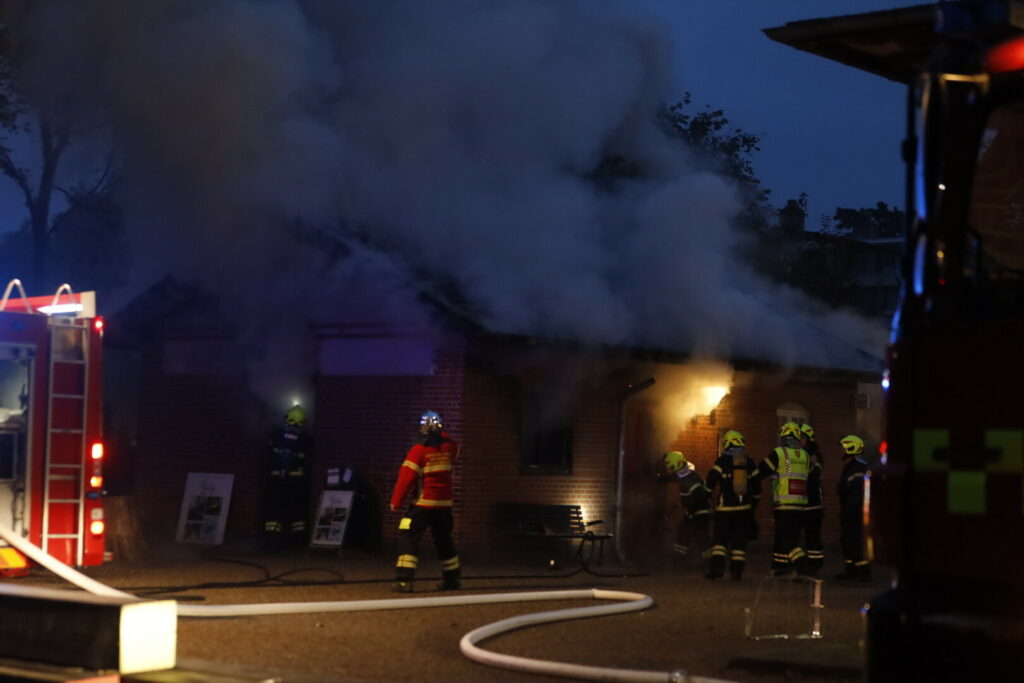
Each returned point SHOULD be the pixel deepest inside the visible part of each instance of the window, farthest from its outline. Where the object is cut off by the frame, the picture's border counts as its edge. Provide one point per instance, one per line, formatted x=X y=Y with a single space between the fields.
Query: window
x=790 y=412
x=546 y=432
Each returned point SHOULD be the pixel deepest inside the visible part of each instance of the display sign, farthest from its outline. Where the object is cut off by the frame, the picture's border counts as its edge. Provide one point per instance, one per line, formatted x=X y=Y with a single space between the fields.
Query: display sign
x=331 y=519
x=204 y=509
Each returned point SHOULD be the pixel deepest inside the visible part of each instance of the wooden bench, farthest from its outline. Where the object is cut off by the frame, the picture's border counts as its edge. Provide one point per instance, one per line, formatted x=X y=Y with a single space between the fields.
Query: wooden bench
x=540 y=520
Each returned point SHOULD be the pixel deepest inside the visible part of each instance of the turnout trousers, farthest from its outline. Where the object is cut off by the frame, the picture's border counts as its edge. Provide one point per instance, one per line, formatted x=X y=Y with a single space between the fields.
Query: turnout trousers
x=731 y=533
x=851 y=540
x=410 y=530
x=787 y=554
x=812 y=536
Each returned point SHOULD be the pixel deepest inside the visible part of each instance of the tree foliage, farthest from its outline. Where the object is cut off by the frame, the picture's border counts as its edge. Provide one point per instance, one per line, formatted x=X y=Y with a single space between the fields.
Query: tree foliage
x=50 y=128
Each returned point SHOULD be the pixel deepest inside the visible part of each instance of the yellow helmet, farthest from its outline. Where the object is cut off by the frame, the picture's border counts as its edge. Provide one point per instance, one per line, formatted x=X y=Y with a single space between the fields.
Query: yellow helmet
x=807 y=430
x=296 y=416
x=732 y=438
x=675 y=461
x=790 y=429
x=852 y=445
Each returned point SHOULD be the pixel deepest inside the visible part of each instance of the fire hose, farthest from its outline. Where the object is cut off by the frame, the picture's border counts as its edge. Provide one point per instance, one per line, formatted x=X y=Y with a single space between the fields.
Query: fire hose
x=624 y=602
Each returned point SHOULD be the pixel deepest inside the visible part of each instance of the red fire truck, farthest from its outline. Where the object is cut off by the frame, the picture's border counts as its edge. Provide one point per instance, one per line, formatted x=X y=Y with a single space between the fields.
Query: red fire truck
x=947 y=498
x=51 y=452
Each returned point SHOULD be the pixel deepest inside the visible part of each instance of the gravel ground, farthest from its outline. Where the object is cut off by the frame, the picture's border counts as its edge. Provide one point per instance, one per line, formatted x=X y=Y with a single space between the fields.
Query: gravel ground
x=695 y=624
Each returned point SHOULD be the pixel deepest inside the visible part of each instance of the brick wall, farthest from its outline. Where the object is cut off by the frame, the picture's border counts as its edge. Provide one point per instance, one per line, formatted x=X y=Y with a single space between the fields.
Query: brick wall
x=369 y=423
x=751 y=407
x=189 y=423
x=492 y=469
x=192 y=423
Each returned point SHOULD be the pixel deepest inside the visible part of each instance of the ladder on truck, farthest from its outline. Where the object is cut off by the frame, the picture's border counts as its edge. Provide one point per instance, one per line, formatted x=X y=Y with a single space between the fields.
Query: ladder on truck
x=64 y=473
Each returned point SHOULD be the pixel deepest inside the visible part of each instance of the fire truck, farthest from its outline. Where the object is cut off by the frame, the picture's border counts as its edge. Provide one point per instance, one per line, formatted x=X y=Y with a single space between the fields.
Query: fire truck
x=51 y=452
x=947 y=498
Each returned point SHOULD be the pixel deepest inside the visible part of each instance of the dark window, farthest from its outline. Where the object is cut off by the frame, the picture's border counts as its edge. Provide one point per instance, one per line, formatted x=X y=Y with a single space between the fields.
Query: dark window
x=546 y=434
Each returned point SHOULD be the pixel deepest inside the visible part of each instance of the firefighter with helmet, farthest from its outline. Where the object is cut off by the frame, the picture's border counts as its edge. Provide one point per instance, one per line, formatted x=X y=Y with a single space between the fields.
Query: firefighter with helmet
x=787 y=467
x=851 y=510
x=738 y=489
x=814 y=511
x=692 y=533
x=428 y=468
x=286 y=503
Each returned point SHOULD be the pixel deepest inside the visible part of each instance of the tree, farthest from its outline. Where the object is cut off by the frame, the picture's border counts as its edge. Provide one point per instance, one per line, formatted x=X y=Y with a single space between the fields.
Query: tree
x=723 y=149
x=879 y=222
x=51 y=127
x=88 y=244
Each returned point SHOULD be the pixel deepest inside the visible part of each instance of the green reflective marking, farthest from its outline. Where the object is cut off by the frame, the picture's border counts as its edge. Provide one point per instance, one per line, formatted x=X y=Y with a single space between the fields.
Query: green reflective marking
x=926 y=442
x=1011 y=443
x=966 y=493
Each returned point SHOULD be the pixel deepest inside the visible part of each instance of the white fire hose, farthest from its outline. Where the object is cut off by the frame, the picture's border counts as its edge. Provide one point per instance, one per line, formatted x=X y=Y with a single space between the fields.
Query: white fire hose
x=625 y=602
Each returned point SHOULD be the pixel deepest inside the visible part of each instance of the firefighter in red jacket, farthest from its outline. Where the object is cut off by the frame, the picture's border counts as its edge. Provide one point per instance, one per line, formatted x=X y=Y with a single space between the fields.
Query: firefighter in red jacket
x=429 y=464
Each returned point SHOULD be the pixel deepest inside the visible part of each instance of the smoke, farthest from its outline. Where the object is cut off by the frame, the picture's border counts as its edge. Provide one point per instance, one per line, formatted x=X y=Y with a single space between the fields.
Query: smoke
x=450 y=144
x=681 y=393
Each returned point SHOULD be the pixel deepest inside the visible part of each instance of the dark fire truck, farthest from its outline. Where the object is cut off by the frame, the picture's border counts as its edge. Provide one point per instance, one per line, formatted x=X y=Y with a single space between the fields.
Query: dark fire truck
x=51 y=452
x=947 y=498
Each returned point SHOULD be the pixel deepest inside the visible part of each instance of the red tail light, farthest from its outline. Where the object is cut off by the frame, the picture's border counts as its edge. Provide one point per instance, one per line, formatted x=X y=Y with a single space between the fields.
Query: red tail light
x=97 y=451
x=1006 y=57
x=96 y=527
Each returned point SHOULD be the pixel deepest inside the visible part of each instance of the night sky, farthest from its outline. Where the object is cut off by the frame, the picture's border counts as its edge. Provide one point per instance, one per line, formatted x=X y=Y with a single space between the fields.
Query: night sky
x=826 y=129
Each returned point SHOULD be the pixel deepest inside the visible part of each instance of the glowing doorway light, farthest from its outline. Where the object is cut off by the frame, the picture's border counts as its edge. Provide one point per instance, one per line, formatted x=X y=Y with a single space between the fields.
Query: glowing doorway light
x=713 y=395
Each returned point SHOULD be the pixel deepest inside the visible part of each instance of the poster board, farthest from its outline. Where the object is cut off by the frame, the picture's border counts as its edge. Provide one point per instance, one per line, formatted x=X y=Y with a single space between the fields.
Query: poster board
x=204 y=508
x=331 y=519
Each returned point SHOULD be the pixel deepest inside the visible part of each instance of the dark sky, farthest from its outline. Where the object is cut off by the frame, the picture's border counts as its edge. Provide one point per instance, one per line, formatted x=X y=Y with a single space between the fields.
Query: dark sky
x=826 y=129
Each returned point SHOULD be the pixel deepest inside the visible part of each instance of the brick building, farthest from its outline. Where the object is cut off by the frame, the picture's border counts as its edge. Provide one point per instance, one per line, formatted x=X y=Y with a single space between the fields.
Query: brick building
x=538 y=421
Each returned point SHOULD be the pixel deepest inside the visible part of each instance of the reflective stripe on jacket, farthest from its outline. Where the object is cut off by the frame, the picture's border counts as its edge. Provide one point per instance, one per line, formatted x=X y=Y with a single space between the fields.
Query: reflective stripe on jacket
x=789 y=486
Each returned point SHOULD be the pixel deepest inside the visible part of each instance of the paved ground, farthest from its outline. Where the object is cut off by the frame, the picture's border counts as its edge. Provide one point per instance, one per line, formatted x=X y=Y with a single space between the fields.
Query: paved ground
x=695 y=624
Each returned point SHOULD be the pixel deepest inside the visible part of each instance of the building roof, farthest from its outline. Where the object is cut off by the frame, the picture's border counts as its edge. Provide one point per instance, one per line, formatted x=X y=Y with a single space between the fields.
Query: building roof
x=896 y=44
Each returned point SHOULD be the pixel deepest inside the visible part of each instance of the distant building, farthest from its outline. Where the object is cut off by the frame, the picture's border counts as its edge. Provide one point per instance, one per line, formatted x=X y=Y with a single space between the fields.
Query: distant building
x=858 y=268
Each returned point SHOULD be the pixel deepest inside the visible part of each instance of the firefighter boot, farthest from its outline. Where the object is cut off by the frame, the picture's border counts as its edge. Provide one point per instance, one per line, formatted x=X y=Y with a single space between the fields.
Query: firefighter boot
x=849 y=572
x=403 y=580
x=450 y=581
x=737 y=563
x=717 y=567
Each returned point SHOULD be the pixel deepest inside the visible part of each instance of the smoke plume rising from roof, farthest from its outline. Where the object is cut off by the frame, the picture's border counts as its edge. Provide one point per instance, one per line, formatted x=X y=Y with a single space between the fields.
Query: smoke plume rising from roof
x=454 y=140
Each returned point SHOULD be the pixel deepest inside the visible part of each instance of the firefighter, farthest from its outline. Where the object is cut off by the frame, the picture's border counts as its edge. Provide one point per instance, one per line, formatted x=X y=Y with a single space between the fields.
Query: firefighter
x=286 y=505
x=814 y=512
x=851 y=510
x=738 y=489
x=428 y=464
x=787 y=467
x=695 y=501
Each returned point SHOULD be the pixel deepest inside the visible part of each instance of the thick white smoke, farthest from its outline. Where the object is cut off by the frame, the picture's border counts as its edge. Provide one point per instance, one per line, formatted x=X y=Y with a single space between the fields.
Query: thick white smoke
x=455 y=137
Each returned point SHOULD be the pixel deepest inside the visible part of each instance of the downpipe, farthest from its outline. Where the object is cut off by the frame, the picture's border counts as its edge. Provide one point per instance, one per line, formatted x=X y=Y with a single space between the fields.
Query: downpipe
x=624 y=602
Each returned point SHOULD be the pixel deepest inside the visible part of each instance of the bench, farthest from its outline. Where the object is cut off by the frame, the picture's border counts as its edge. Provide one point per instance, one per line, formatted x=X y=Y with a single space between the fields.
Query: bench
x=540 y=520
